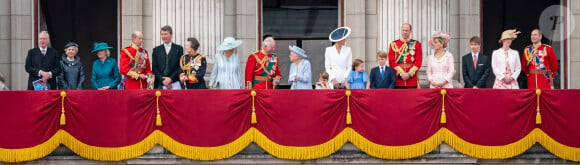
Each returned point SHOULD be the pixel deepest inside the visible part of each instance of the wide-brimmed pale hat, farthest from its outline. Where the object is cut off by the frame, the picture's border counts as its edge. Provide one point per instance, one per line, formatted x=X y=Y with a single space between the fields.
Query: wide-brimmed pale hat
x=439 y=34
x=339 y=34
x=101 y=46
x=229 y=43
x=509 y=34
x=298 y=51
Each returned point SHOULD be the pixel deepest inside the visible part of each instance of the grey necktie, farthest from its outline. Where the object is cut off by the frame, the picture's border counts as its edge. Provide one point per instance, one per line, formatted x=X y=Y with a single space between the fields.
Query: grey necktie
x=166 y=68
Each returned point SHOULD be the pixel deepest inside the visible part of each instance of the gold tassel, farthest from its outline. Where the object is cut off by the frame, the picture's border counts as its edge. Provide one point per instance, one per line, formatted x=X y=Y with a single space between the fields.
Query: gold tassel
x=62 y=117
x=348 y=116
x=443 y=116
x=158 y=117
x=538 y=116
x=158 y=120
x=254 y=119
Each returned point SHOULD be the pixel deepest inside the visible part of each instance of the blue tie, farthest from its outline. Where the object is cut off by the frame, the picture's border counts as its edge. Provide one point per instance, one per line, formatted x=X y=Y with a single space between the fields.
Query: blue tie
x=382 y=72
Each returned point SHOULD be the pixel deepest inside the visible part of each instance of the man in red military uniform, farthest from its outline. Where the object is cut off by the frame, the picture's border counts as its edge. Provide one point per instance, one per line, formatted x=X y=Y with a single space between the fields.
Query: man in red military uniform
x=262 y=70
x=134 y=65
x=539 y=63
x=405 y=56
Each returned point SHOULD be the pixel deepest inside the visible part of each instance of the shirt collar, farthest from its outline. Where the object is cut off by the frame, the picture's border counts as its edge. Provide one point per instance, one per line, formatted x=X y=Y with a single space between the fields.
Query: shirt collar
x=135 y=46
x=167 y=45
x=475 y=53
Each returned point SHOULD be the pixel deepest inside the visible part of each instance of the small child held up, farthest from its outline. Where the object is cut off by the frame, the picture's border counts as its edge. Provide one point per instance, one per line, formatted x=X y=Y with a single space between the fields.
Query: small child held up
x=358 y=78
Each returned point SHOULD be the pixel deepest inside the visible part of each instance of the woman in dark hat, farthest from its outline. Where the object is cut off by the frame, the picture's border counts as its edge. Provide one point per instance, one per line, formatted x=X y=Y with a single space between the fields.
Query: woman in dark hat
x=73 y=74
x=105 y=73
x=338 y=58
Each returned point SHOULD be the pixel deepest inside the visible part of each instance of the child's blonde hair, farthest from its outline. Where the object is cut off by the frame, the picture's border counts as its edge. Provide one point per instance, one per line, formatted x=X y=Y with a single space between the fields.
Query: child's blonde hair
x=324 y=75
x=382 y=54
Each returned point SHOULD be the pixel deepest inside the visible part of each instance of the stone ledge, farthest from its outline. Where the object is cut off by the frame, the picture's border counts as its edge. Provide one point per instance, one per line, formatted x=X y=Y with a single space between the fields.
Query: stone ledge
x=348 y=154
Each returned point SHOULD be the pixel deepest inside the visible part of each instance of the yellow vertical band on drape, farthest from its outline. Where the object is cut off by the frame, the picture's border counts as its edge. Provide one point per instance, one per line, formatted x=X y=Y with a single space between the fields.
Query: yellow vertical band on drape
x=348 y=117
x=443 y=116
x=538 y=116
x=254 y=119
x=158 y=117
x=62 y=117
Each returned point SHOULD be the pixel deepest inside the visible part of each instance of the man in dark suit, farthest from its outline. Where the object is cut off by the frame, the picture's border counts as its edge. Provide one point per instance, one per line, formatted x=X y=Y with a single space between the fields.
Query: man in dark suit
x=42 y=63
x=382 y=76
x=166 y=61
x=475 y=66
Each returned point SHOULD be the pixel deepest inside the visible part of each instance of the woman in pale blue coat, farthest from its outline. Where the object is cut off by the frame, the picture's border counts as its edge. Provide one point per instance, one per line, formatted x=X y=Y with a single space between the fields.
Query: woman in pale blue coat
x=226 y=72
x=300 y=72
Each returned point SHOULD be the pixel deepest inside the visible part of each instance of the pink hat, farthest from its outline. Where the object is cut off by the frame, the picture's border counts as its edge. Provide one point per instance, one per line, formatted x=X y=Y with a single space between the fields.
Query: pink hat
x=439 y=34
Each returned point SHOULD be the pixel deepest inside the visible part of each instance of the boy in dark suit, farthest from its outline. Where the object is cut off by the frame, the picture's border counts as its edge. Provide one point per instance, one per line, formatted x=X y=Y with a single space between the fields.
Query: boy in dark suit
x=475 y=66
x=382 y=76
x=42 y=63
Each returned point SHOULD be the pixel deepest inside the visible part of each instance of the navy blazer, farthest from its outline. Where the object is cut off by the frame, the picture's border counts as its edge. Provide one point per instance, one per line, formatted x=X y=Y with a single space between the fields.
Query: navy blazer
x=35 y=62
x=387 y=81
x=475 y=77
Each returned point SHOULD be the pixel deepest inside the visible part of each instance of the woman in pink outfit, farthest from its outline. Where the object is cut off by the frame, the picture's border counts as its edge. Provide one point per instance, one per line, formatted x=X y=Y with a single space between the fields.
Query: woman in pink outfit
x=440 y=67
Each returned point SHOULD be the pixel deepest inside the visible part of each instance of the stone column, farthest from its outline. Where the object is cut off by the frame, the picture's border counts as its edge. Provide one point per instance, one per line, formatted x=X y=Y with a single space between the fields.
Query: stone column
x=246 y=29
x=202 y=19
x=21 y=39
x=372 y=33
x=466 y=22
x=5 y=50
x=573 y=48
x=355 y=19
x=131 y=20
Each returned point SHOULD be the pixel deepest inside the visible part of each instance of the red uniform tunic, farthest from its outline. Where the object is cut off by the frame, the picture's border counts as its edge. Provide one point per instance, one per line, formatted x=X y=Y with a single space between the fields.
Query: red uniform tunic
x=134 y=61
x=540 y=64
x=261 y=70
x=406 y=57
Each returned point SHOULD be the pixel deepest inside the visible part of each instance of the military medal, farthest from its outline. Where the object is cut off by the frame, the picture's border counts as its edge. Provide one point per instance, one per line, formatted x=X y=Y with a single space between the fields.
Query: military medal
x=412 y=52
x=412 y=59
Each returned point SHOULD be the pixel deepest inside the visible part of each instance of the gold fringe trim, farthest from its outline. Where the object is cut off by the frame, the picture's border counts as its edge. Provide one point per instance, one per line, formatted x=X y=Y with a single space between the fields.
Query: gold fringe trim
x=291 y=152
x=31 y=153
x=557 y=148
x=395 y=152
x=109 y=153
x=490 y=152
x=302 y=152
x=207 y=153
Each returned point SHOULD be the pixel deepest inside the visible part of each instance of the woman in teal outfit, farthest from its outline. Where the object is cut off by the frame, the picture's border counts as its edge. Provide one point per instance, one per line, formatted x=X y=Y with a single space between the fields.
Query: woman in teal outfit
x=105 y=74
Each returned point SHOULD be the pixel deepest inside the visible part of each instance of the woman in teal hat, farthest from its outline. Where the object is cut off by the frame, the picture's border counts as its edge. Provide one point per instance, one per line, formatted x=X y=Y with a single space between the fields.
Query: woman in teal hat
x=105 y=73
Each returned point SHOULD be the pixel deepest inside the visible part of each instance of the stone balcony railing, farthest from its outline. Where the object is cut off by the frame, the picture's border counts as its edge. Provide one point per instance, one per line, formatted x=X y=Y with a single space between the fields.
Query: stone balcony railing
x=348 y=154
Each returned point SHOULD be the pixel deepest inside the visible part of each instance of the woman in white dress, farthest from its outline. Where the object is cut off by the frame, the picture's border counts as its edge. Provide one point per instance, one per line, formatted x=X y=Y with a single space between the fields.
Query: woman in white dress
x=338 y=58
x=440 y=68
x=226 y=72
x=505 y=62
